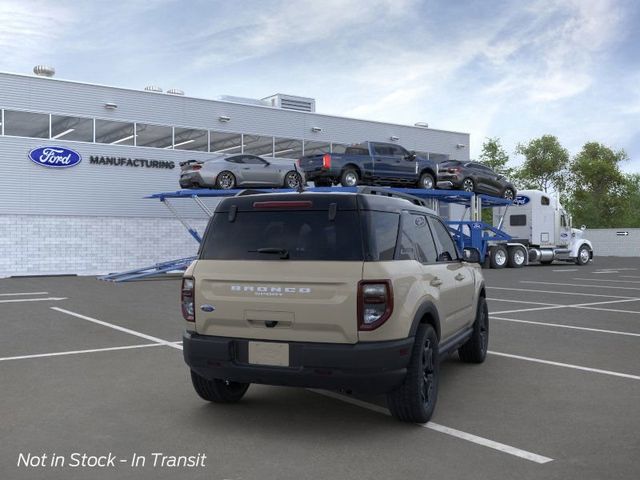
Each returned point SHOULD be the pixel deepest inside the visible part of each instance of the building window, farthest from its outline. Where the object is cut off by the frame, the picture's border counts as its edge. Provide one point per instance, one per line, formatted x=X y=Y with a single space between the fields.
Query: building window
x=287 y=148
x=191 y=139
x=316 y=148
x=71 y=128
x=257 y=145
x=227 y=143
x=157 y=136
x=115 y=133
x=26 y=124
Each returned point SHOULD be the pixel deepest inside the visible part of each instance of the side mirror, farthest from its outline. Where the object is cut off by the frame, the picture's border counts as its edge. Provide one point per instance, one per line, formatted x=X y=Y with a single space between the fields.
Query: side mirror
x=471 y=255
x=411 y=156
x=583 y=228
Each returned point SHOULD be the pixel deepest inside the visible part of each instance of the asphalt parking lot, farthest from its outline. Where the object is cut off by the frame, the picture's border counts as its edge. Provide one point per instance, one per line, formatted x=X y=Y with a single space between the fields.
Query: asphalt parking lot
x=96 y=368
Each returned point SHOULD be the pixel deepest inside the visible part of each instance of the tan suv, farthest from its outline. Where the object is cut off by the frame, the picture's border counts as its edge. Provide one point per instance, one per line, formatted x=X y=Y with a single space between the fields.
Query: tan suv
x=362 y=292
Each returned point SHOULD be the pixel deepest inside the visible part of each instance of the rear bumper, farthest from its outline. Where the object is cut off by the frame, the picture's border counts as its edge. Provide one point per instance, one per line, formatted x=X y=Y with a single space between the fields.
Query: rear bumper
x=372 y=367
x=194 y=179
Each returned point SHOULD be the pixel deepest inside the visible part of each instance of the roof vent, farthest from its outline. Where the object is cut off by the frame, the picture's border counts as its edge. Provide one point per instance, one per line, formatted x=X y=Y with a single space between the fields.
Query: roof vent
x=153 y=88
x=291 y=102
x=175 y=91
x=44 y=71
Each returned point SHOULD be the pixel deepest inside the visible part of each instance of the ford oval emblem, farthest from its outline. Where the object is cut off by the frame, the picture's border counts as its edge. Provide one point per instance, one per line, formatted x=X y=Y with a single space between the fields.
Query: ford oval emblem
x=55 y=157
x=521 y=200
x=207 y=308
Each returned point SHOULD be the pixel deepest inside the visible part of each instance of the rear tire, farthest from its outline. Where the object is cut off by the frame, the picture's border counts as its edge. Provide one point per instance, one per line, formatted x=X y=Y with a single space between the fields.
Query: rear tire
x=225 y=180
x=508 y=194
x=499 y=256
x=415 y=400
x=426 y=181
x=468 y=185
x=218 y=391
x=349 y=178
x=475 y=349
x=517 y=257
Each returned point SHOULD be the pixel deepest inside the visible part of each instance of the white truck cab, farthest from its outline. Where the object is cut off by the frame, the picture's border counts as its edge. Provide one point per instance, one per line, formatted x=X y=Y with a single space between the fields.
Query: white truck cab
x=541 y=227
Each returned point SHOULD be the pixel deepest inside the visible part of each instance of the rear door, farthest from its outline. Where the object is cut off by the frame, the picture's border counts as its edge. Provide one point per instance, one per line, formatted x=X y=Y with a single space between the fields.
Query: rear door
x=256 y=291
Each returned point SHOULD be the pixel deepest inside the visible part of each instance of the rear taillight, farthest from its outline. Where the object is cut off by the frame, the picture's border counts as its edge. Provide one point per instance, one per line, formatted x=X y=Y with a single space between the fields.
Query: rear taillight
x=326 y=161
x=188 y=310
x=375 y=303
x=196 y=167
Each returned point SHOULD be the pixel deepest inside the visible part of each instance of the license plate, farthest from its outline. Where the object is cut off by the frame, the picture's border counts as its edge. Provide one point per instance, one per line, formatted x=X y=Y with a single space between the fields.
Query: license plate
x=269 y=353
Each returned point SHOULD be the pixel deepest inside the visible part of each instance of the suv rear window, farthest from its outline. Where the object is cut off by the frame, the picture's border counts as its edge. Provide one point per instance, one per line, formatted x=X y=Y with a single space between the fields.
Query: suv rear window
x=304 y=235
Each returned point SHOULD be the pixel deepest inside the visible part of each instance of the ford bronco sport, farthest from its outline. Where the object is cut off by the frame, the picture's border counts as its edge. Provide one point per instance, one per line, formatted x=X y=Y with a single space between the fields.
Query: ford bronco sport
x=359 y=292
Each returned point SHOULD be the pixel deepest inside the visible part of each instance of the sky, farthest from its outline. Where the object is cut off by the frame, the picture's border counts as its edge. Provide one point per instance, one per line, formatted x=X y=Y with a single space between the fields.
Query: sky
x=514 y=70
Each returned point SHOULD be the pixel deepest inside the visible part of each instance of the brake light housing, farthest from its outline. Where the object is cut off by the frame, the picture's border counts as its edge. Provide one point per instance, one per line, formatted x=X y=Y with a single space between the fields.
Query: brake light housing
x=326 y=161
x=375 y=303
x=187 y=300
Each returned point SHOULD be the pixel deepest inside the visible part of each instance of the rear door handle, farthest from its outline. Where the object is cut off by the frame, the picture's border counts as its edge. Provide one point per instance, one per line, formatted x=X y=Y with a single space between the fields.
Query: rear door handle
x=459 y=277
x=436 y=282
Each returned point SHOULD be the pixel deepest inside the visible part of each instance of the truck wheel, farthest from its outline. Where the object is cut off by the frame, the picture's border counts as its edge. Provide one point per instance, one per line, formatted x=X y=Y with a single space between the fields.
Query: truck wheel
x=517 y=257
x=508 y=193
x=218 y=391
x=225 y=180
x=349 y=178
x=584 y=255
x=468 y=185
x=474 y=350
x=498 y=256
x=415 y=400
x=426 y=181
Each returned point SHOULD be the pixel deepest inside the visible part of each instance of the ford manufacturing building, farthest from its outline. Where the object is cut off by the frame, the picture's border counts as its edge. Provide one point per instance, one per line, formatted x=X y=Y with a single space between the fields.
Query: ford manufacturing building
x=120 y=145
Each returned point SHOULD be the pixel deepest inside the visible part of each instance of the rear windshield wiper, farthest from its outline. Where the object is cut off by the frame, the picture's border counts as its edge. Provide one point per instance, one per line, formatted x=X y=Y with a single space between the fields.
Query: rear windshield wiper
x=283 y=252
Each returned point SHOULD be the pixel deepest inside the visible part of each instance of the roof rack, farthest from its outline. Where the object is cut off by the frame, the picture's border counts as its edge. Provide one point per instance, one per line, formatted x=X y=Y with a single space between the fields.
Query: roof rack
x=388 y=192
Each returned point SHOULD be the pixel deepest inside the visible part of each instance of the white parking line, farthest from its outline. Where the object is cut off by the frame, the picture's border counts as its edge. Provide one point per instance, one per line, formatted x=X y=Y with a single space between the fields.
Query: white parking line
x=566 y=270
x=601 y=279
x=580 y=285
x=521 y=301
x=76 y=352
x=469 y=437
x=577 y=305
x=48 y=299
x=23 y=293
x=572 y=327
x=533 y=309
x=560 y=293
x=629 y=276
x=566 y=365
x=119 y=328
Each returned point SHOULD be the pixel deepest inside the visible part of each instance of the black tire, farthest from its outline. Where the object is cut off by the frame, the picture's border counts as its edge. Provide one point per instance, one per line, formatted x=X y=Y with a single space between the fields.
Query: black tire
x=292 y=179
x=349 y=177
x=508 y=193
x=475 y=349
x=517 y=257
x=218 y=391
x=225 y=180
x=468 y=185
x=415 y=400
x=584 y=255
x=499 y=256
x=427 y=181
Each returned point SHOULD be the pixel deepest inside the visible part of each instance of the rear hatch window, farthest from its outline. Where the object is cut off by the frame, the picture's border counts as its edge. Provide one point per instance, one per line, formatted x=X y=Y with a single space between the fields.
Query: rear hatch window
x=277 y=234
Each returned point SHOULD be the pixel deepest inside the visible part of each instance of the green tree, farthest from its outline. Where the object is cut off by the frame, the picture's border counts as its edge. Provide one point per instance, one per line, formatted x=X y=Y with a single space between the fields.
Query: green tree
x=545 y=164
x=599 y=192
x=495 y=157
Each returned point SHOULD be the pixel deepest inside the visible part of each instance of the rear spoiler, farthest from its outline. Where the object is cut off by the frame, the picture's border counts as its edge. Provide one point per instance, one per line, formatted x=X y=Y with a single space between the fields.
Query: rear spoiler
x=189 y=162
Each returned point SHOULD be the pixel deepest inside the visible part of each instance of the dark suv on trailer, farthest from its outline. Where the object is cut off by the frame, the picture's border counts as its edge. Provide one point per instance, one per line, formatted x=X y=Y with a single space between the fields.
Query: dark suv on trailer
x=474 y=177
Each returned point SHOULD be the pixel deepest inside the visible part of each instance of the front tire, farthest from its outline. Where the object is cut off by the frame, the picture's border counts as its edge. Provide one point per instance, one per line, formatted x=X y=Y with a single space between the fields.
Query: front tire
x=508 y=194
x=292 y=180
x=468 y=185
x=218 y=391
x=426 y=181
x=225 y=180
x=475 y=349
x=349 y=178
x=415 y=400
x=584 y=255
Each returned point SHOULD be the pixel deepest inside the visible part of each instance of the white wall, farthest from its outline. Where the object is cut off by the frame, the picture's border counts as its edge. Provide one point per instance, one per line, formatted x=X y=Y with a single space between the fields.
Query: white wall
x=607 y=242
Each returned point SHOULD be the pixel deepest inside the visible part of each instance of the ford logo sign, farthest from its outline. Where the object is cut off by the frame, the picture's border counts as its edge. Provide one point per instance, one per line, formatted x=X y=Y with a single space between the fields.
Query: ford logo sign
x=521 y=200
x=55 y=157
x=207 y=308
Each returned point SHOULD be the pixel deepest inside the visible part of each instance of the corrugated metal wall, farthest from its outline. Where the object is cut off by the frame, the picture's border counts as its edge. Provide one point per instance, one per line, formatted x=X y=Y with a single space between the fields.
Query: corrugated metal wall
x=617 y=242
